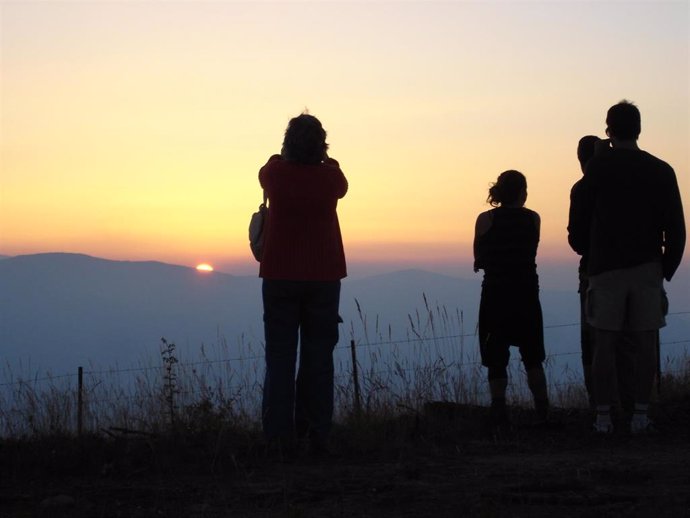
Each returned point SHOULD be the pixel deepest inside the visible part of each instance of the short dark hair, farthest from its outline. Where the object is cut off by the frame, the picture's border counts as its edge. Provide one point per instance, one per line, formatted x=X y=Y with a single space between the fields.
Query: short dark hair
x=507 y=188
x=623 y=121
x=305 y=140
x=585 y=149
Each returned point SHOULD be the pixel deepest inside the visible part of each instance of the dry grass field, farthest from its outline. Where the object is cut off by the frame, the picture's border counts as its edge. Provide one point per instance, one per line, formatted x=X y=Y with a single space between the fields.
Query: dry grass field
x=442 y=460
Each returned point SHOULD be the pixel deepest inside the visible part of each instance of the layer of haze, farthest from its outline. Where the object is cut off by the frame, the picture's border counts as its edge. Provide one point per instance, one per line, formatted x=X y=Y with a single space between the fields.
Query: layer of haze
x=135 y=130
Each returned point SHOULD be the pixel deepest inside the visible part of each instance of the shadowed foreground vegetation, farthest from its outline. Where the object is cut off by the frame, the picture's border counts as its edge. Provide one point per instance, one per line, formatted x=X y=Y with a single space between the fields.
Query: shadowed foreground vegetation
x=440 y=459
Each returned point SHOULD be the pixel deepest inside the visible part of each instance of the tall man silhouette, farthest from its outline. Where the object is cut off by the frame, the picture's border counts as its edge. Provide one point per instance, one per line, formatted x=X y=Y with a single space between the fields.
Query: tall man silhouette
x=631 y=227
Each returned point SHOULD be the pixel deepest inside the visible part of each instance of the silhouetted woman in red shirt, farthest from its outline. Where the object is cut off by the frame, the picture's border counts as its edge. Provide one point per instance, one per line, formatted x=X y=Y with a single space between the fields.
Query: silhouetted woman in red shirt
x=302 y=264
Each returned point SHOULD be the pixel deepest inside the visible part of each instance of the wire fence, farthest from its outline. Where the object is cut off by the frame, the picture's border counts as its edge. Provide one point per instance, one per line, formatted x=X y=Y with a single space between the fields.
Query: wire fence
x=442 y=367
x=256 y=357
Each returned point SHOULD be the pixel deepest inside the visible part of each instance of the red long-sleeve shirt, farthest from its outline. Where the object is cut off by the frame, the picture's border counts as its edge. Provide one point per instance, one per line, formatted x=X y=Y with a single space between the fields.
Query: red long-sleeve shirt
x=303 y=240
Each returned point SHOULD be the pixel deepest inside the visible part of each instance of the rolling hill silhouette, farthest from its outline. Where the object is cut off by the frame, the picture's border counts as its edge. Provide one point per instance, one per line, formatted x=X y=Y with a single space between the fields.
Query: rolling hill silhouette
x=60 y=310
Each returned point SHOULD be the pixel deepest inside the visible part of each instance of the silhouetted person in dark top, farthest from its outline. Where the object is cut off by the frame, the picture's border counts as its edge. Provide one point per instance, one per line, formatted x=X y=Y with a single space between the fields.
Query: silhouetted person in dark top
x=505 y=247
x=585 y=151
x=630 y=227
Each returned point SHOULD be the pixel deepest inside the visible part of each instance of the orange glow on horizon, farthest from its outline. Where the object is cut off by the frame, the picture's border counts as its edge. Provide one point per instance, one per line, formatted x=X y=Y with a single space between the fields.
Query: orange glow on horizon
x=146 y=148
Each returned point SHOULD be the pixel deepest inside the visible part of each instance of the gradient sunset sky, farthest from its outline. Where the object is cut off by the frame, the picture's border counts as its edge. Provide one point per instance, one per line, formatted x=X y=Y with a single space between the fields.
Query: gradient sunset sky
x=135 y=130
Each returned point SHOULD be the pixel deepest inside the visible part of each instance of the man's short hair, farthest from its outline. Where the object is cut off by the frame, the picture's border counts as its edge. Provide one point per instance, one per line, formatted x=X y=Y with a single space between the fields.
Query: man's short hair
x=623 y=121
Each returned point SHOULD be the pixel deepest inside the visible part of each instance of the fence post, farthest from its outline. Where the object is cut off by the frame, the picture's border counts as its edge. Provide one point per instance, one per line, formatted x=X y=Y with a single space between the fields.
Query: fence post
x=80 y=400
x=355 y=378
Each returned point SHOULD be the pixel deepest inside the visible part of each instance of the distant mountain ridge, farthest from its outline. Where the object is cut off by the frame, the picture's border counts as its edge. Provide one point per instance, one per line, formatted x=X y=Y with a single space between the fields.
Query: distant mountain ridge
x=59 y=306
x=60 y=310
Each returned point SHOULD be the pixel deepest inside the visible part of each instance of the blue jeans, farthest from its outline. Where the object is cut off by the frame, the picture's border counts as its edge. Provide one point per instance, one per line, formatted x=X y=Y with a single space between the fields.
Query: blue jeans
x=304 y=311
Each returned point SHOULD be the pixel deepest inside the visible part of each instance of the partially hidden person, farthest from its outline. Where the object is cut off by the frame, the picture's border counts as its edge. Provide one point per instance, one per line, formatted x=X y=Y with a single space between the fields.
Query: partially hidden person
x=585 y=151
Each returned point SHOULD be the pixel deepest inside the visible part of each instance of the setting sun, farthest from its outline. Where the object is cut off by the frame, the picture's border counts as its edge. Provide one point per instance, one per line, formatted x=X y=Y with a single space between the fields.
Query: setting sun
x=145 y=77
x=204 y=267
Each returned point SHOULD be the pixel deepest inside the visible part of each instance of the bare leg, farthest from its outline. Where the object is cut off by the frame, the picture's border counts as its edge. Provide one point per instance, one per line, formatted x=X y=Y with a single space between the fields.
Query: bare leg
x=604 y=376
x=604 y=366
x=644 y=366
x=499 y=411
x=498 y=387
x=644 y=344
x=536 y=380
x=626 y=386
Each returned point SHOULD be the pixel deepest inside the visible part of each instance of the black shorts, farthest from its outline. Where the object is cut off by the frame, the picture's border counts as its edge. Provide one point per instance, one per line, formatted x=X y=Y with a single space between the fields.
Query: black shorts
x=510 y=315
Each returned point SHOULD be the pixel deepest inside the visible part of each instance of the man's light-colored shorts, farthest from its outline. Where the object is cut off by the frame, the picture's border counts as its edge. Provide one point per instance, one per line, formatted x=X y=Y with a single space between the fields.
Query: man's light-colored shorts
x=629 y=299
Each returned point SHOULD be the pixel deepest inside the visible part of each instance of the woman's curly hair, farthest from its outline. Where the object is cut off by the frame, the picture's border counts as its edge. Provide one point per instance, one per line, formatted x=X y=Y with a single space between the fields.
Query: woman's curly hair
x=507 y=188
x=305 y=140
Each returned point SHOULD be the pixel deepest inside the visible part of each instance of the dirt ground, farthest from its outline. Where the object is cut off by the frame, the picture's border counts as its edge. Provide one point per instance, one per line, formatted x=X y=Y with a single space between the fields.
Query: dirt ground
x=440 y=463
